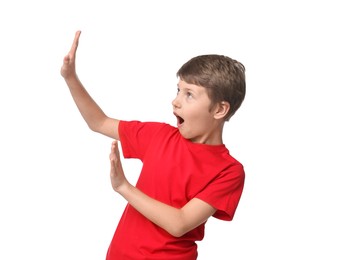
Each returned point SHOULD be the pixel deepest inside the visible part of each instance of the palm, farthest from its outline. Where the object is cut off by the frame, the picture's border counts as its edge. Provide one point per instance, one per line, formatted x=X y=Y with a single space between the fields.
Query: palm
x=68 y=67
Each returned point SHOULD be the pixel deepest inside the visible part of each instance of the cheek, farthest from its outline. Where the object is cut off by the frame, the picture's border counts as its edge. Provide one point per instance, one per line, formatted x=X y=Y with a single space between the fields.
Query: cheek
x=201 y=117
x=199 y=112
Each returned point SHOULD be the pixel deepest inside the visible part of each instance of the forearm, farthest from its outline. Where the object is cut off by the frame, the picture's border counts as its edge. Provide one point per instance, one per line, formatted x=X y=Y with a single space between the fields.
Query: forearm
x=167 y=217
x=90 y=111
x=176 y=221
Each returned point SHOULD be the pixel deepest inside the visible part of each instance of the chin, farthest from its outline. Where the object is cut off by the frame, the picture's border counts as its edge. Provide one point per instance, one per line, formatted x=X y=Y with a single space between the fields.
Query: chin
x=185 y=135
x=182 y=133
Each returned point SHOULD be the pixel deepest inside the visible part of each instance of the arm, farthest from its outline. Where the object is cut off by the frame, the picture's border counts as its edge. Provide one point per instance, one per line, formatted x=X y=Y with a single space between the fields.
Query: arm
x=175 y=221
x=90 y=111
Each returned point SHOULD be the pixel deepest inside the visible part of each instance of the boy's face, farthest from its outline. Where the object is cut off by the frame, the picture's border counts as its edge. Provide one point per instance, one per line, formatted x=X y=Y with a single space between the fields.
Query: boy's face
x=195 y=119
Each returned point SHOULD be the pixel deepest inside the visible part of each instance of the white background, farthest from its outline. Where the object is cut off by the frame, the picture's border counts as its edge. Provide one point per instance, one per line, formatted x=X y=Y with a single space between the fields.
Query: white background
x=55 y=196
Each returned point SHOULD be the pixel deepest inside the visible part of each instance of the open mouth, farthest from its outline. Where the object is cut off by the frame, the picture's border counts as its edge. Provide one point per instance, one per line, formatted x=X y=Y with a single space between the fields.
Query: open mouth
x=180 y=120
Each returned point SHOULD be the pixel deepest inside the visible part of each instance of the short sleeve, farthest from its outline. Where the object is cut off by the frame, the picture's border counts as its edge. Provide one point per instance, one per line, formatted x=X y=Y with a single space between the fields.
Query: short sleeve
x=224 y=192
x=135 y=137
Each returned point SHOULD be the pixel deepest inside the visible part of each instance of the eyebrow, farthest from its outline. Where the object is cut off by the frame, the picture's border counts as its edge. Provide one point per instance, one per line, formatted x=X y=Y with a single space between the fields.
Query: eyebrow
x=185 y=88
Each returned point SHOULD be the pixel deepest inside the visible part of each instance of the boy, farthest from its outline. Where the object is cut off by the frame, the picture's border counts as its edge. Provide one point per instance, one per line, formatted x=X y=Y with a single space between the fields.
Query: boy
x=188 y=174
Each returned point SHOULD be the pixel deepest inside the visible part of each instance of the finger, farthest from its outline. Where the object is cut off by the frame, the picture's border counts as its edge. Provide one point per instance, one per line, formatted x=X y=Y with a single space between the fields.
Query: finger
x=114 y=151
x=113 y=163
x=116 y=148
x=75 y=43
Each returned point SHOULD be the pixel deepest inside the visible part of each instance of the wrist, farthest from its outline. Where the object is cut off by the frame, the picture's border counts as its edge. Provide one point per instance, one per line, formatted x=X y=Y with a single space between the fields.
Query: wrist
x=124 y=189
x=71 y=78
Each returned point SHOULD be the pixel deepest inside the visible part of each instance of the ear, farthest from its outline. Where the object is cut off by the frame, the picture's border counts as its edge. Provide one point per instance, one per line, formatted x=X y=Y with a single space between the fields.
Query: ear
x=221 y=110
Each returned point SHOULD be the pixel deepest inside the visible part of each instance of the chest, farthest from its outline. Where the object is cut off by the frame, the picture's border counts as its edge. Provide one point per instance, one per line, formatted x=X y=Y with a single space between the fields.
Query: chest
x=174 y=174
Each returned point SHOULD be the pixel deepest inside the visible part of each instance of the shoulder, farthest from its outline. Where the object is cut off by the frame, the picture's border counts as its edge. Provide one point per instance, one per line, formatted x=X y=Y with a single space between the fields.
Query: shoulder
x=134 y=124
x=144 y=132
x=140 y=139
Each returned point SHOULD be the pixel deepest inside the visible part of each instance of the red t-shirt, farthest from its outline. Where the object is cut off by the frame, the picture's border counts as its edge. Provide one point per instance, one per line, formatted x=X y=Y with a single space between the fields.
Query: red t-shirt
x=174 y=171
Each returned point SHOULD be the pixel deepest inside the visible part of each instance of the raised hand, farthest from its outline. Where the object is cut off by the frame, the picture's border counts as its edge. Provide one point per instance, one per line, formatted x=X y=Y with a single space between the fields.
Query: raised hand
x=68 y=68
x=117 y=177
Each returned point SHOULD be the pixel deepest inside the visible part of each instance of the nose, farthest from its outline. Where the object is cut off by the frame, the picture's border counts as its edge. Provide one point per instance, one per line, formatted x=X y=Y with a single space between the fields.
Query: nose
x=175 y=102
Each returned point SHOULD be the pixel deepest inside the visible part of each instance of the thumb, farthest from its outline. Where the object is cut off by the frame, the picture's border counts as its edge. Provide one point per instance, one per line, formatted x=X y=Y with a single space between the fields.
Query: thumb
x=66 y=59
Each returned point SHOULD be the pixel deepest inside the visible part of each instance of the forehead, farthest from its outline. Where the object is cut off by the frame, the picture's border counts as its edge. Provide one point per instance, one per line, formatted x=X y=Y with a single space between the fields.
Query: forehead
x=192 y=87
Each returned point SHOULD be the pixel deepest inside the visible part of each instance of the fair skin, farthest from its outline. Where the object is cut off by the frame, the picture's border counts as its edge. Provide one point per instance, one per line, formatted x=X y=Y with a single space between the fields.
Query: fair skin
x=201 y=125
x=195 y=120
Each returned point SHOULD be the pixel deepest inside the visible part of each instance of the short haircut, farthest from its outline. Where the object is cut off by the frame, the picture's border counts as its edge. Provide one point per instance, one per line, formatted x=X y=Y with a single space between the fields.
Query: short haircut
x=223 y=77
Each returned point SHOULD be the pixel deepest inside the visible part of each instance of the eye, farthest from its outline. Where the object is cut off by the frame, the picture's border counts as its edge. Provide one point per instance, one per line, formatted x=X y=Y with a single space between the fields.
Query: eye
x=189 y=94
x=178 y=90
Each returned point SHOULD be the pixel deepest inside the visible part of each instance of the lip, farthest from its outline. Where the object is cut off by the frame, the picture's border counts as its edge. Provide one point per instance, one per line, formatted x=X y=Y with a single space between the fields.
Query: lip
x=180 y=120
